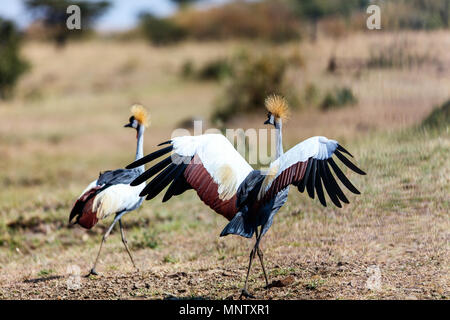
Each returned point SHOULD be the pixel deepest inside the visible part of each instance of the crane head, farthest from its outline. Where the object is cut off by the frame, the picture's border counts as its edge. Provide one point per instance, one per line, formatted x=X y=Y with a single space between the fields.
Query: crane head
x=139 y=117
x=278 y=109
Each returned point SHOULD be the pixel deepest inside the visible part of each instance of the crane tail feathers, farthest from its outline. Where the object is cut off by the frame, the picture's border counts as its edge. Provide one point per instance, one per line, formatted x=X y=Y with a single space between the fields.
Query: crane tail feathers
x=239 y=227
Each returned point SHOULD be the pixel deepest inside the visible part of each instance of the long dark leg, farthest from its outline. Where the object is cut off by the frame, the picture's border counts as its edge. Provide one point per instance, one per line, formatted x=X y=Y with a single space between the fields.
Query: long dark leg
x=105 y=236
x=261 y=258
x=244 y=292
x=125 y=243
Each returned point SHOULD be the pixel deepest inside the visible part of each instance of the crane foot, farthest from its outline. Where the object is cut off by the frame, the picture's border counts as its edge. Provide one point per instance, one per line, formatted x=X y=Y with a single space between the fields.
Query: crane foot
x=92 y=272
x=246 y=294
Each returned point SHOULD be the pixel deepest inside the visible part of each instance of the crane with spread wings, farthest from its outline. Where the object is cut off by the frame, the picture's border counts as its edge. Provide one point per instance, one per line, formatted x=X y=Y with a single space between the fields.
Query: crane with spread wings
x=248 y=198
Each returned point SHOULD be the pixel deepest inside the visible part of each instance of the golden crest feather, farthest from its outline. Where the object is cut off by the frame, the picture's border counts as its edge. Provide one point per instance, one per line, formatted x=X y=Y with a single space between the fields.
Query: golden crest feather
x=278 y=106
x=140 y=114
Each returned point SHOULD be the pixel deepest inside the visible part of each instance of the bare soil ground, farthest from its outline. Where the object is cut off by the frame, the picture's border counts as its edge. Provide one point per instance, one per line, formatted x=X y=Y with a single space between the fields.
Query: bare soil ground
x=392 y=242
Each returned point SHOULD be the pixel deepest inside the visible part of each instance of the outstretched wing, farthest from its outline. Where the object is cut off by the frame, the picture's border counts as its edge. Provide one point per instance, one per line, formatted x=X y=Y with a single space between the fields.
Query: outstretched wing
x=307 y=165
x=207 y=163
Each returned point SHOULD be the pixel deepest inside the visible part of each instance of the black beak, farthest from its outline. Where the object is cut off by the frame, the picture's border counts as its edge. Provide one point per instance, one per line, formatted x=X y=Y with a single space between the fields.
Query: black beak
x=128 y=125
x=267 y=121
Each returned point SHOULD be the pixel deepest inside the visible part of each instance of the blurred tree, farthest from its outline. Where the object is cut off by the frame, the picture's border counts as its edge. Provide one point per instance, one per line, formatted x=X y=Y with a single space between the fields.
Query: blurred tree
x=12 y=66
x=183 y=3
x=160 y=31
x=314 y=10
x=53 y=14
x=435 y=12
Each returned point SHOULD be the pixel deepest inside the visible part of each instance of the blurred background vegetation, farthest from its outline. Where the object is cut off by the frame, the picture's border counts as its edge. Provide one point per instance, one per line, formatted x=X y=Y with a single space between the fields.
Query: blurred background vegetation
x=249 y=77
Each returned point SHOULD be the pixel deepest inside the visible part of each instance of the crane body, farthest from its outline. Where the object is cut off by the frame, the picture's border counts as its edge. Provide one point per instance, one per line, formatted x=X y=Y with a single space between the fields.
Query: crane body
x=112 y=193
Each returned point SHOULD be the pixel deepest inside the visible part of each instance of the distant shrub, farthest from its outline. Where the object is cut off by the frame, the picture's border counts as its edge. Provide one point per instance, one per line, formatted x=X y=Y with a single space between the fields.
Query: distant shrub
x=252 y=80
x=311 y=94
x=187 y=69
x=267 y=20
x=439 y=118
x=316 y=10
x=12 y=66
x=338 y=98
x=398 y=55
x=216 y=69
x=161 y=31
x=416 y=14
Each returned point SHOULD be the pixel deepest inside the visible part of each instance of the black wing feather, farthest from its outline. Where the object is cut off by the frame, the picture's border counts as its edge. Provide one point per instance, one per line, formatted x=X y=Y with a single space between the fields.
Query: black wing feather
x=312 y=182
x=341 y=148
x=173 y=186
x=328 y=186
x=150 y=157
x=165 y=142
x=154 y=185
x=319 y=189
x=342 y=177
x=348 y=163
x=302 y=184
x=336 y=187
x=152 y=171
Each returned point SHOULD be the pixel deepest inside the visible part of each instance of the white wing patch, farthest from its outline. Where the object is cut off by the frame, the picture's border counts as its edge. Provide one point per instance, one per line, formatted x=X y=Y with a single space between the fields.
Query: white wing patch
x=225 y=165
x=227 y=182
x=115 y=199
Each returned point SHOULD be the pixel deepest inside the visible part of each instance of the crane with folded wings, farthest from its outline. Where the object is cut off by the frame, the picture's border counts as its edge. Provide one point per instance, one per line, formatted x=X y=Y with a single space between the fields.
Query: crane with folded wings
x=111 y=193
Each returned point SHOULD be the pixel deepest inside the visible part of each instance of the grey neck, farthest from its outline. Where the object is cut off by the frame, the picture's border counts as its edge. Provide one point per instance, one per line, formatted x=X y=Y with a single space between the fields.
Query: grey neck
x=140 y=146
x=279 y=144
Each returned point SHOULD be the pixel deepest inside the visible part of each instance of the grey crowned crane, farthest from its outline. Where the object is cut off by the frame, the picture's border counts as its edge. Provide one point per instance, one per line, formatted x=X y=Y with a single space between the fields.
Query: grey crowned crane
x=111 y=193
x=248 y=198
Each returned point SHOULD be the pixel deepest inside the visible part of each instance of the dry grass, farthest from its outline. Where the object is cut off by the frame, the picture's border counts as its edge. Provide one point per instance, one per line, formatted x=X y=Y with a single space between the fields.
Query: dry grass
x=65 y=126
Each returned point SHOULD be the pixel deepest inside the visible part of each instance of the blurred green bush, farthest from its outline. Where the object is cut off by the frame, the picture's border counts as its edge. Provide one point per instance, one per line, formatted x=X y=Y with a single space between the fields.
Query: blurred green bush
x=338 y=98
x=415 y=14
x=439 y=118
x=215 y=70
x=161 y=31
x=12 y=65
x=398 y=54
x=254 y=77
